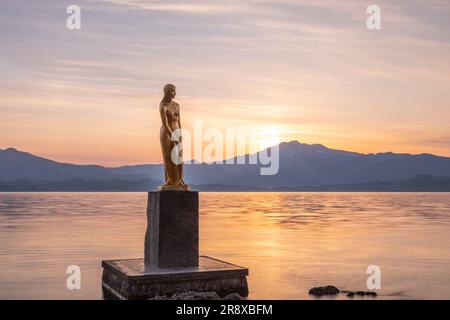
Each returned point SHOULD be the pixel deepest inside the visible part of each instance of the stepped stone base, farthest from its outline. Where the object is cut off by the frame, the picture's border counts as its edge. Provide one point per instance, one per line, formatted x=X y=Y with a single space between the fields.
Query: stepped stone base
x=133 y=279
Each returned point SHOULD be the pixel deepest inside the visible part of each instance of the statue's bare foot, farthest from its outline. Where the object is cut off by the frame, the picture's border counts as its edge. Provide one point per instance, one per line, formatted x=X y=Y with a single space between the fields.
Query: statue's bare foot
x=175 y=187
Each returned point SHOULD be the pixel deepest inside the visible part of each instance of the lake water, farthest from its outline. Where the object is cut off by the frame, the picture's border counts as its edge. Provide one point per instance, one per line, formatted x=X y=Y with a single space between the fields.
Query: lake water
x=289 y=241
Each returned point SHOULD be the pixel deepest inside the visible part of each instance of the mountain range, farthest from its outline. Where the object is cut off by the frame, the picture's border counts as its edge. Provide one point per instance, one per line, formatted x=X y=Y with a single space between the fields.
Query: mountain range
x=302 y=167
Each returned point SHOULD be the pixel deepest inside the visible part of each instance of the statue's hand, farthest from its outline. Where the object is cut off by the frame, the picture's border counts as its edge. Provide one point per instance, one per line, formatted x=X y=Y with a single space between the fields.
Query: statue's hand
x=175 y=139
x=172 y=137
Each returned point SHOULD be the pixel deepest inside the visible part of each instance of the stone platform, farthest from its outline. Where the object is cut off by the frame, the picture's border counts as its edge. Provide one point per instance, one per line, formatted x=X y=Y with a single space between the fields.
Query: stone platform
x=171 y=260
x=133 y=279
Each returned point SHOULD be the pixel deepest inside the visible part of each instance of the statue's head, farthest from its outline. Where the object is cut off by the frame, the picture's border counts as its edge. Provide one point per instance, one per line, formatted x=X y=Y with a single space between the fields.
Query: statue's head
x=170 y=91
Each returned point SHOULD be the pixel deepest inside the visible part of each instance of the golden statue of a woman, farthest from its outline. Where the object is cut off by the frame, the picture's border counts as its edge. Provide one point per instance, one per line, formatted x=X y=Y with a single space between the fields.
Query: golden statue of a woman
x=170 y=117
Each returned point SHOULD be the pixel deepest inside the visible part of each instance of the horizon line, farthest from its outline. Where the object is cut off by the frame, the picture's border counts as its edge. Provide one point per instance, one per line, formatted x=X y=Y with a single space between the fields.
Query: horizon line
x=189 y=162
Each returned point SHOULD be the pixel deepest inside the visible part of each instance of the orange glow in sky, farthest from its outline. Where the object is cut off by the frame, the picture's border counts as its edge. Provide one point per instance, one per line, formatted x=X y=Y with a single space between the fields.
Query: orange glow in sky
x=312 y=71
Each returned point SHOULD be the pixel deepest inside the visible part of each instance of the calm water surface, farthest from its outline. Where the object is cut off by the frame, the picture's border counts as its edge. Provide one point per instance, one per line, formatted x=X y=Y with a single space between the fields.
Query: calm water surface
x=289 y=241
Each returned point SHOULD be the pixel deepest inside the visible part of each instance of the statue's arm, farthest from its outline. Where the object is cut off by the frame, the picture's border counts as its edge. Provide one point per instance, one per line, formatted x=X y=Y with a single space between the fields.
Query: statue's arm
x=164 y=120
x=179 y=123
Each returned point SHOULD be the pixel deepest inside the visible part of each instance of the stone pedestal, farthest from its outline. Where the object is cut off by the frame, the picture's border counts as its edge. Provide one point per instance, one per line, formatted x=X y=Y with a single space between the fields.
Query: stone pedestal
x=132 y=279
x=171 y=239
x=171 y=256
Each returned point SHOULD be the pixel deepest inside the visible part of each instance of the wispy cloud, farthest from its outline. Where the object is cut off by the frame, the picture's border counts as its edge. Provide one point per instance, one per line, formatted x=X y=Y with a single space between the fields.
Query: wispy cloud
x=192 y=7
x=311 y=67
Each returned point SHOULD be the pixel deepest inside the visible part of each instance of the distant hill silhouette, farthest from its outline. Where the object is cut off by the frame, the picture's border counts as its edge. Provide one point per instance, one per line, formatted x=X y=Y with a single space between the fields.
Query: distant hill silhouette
x=74 y=185
x=420 y=183
x=302 y=166
x=16 y=165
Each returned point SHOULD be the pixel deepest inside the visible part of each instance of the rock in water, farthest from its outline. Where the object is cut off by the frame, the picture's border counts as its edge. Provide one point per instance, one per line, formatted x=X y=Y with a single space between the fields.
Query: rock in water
x=322 y=291
x=332 y=290
x=189 y=295
x=361 y=293
x=233 y=296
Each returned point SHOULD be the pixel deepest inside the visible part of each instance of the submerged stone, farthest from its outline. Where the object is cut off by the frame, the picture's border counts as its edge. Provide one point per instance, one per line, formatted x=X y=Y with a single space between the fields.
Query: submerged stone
x=193 y=295
x=322 y=291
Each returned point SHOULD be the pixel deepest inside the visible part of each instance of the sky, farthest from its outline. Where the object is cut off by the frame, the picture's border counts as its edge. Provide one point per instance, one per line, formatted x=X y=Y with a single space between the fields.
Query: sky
x=310 y=69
